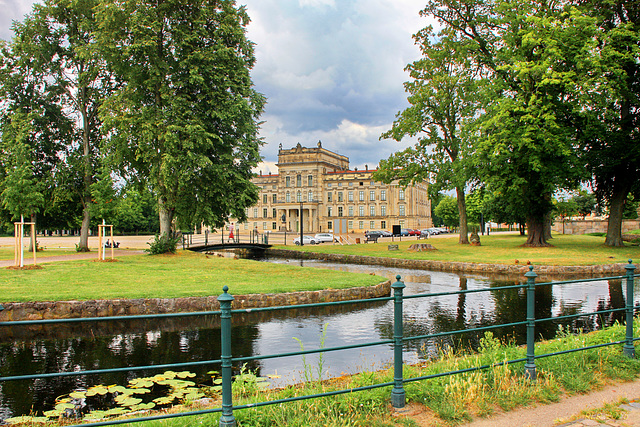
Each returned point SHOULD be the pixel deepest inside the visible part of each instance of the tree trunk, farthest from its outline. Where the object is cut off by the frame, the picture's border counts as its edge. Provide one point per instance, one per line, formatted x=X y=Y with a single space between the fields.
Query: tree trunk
x=32 y=238
x=614 y=223
x=535 y=232
x=462 y=211
x=547 y=226
x=83 y=245
x=166 y=218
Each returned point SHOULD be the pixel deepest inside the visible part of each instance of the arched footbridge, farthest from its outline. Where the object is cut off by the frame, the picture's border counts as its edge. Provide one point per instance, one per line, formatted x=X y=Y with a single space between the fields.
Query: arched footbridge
x=212 y=242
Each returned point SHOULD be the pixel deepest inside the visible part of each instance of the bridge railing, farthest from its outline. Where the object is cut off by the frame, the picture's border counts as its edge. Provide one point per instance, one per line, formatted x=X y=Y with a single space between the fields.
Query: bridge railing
x=397 y=342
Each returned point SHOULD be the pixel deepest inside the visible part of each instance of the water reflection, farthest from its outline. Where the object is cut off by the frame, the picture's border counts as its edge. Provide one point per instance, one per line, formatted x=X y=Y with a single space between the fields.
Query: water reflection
x=71 y=347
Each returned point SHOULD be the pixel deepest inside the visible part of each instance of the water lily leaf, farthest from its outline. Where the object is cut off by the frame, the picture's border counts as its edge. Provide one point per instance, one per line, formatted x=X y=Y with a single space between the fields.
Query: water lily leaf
x=95 y=415
x=98 y=389
x=65 y=405
x=139 y=391
x=116 y=389
x=143 y=406
x=164 y=400
x=78 y=394
x=185 y=374
x=217 y=381
x=141 y=382
x=130 y=401
x=169 y=374
x=54 y=413
x=117 y=411
x=194 y=395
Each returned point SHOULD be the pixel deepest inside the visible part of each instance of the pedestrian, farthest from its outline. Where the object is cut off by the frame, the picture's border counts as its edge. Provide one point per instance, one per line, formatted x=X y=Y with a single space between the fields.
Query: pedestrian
x=231 y=232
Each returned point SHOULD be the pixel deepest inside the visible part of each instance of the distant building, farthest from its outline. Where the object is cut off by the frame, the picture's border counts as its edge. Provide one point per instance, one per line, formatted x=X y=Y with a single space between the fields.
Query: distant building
x=332 y=197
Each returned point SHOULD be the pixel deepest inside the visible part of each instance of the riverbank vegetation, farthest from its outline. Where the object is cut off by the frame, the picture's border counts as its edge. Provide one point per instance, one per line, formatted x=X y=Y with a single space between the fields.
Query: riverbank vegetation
x=186 y=274
x=494 y=249
x=447 y=400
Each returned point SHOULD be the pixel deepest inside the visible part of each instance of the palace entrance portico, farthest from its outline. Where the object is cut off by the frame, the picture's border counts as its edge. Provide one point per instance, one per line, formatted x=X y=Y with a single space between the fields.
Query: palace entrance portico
x=289 y=216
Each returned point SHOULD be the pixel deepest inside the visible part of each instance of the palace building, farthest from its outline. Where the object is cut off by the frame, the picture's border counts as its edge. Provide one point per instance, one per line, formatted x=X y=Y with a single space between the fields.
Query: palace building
x=315 y=187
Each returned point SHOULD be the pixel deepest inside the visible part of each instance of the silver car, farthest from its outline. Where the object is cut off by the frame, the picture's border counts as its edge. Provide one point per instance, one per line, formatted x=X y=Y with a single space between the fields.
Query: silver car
x=306 y=240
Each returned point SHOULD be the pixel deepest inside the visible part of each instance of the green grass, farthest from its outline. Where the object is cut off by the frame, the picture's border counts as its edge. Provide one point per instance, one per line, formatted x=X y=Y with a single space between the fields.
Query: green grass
x=186 y=274
x=6 y=253
x=495 y=249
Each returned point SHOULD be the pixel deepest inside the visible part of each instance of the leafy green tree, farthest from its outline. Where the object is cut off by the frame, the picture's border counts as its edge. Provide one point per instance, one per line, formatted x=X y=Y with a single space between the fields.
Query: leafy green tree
x=609 y=83
x=443 y=97
x=185 y=118
x=565 y=208
x=525 y=144
x=447 y=210
x=586 y=203
x=54 y=46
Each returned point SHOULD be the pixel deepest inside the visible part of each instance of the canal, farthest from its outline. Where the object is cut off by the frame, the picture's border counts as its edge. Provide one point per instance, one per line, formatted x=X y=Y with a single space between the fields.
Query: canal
x=73 y=347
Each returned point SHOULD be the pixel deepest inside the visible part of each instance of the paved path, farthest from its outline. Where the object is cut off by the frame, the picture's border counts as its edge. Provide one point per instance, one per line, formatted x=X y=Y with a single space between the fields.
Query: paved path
x=565 y=413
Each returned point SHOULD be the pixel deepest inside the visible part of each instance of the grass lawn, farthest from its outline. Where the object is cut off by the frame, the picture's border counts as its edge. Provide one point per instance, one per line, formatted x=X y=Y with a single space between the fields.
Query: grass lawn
x=6 y=252
x=186 y=274
x=495 y=249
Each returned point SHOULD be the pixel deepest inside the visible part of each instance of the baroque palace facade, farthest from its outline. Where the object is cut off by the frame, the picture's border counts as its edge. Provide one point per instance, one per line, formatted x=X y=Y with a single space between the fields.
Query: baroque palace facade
x=331 y=197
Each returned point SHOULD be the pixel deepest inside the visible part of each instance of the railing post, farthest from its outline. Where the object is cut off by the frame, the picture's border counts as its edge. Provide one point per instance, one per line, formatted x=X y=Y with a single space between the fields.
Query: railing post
x=628 y=349
x=206 y=237
x=530 y=365
x=227 y=419
x=397 y=394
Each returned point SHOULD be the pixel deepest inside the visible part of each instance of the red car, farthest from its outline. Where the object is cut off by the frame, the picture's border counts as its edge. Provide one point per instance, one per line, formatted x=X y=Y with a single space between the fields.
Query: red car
x=413 y=232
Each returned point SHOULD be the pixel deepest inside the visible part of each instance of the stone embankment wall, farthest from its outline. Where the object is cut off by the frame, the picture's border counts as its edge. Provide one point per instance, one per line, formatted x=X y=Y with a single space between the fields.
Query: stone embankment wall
x=591 y=226
x=516 y=270
x=130 y=307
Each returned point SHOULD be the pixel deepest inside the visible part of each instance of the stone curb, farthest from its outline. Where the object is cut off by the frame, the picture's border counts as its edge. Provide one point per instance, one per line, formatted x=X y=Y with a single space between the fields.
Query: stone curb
x=129 y=307
x=460 y=267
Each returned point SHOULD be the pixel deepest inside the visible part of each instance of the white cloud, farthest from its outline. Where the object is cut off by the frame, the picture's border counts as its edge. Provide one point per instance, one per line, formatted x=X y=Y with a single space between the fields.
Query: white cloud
x=317 y=3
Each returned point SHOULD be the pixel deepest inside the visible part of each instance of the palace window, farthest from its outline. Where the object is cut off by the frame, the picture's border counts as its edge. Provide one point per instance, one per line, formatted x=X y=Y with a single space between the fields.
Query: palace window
x=372 y=210
x=361 y=210
x=264 y=198
x=274 y=212
x=383 y=195
x=288 y=197
x=350 y=196
x=340 y=196
x=401 y=210
x=329 y=196
x=339 y=210
x=328 y=210
x=298 y=197
x=401 y=194
x=383 y=210
x=383 y=224
x=310 y=181
x=274 y=198
x=372 y=195
x=299 y=181
x=350 y=210
x=255 y=212
x=264 y=212
x=310 y=196
x=361 y=196
x=287 y=181
x=372 y=224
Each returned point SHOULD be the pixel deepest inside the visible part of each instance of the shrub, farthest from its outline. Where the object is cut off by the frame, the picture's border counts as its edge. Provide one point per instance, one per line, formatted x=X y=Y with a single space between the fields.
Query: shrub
x=162 y=245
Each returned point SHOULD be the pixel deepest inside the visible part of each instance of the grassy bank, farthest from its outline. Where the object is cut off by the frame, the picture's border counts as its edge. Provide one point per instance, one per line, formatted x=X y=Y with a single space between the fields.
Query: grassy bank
x=495 y=249
x=186 y=274
x=444 y=401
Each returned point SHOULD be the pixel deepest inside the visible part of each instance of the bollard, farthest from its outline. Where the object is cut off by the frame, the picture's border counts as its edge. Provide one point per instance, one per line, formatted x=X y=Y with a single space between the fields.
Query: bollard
x=530 y=365
x=397 y=394
x=628 y=349
x=226 y=419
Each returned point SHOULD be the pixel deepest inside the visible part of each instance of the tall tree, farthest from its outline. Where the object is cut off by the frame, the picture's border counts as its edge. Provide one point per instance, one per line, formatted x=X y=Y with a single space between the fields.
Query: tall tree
x=525 y=148
x=56 y=40
x=33 y=131
x=443 y=94
x=610 y=89
x=186 y=118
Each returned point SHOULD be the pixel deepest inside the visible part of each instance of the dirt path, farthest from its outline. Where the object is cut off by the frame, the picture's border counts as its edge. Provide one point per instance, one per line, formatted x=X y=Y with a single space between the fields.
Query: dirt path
x=565 y=413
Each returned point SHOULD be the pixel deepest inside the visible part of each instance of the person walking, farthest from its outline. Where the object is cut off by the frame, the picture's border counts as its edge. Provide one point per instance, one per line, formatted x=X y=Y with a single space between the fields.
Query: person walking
x=231 y=233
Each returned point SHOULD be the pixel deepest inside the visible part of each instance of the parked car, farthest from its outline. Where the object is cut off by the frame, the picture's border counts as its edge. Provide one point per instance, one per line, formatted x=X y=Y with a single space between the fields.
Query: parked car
x=385 y=233
x=404 y=232
x=413 y=232
x=434 y=231
x=325 y=237
x=425 y=232
x=306 y=240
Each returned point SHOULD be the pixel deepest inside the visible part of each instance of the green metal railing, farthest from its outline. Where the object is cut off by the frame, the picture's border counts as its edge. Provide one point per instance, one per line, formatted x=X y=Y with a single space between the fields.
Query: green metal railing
x=397 y=395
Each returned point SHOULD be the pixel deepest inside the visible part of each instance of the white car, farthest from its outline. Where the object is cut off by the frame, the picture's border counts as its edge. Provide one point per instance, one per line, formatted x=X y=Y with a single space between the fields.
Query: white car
x=306 y=240
x=325 y=237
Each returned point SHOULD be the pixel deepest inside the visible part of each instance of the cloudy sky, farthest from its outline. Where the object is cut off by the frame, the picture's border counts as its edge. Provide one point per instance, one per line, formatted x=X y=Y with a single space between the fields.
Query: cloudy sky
x=332 y=70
